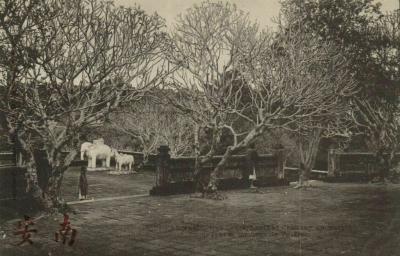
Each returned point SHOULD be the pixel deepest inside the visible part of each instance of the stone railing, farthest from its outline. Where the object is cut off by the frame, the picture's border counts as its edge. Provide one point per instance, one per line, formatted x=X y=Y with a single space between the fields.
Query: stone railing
x=176 y=175
x=12 y=182
x=7 y=159
x=354 y=164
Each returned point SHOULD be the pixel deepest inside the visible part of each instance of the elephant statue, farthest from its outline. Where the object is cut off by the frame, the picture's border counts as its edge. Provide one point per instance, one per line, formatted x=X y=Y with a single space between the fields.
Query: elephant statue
x=102 y=152
x=99 y=141
x=84 y=147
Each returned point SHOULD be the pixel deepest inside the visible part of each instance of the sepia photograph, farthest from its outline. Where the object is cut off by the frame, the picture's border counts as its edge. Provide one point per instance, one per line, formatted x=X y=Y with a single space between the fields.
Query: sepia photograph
x=200 y=127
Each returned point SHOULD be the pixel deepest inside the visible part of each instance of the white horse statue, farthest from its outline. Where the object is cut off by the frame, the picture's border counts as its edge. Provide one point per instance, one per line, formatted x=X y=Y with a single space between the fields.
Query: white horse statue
x=122 y=159
x=98 y=151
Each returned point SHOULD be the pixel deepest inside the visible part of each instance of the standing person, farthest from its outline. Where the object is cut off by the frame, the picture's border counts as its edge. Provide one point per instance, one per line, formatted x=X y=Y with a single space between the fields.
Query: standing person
x=83 y=184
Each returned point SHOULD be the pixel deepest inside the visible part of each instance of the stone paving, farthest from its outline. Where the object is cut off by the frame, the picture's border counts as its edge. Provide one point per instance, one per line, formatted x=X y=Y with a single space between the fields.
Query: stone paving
x=330 y=219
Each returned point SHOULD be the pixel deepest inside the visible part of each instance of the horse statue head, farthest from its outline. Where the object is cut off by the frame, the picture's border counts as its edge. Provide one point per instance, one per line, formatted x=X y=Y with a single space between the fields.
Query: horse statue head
x=114 y=152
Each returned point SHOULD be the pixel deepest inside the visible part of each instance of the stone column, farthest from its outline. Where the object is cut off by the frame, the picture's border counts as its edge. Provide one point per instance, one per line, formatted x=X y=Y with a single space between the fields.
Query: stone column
x=18 y=159
x=14 y=183
x=251 y=162
x=280 y=156
x=332 y=162
x=17 y=150
x=162 y=172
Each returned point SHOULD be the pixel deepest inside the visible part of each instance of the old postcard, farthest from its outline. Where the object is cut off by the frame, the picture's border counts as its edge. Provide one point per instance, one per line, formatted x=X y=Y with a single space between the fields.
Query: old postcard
x=200 y=127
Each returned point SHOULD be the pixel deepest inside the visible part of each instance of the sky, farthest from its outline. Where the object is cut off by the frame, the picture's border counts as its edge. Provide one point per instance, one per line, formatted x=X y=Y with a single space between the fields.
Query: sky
x=260 y=10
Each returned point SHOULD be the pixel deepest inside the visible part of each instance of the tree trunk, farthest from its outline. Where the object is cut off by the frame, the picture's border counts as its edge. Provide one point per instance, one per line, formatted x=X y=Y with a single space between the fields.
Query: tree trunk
x=33 y=185
x=377 y=165
x=53 y=193
x=50 y=192
x=31 y=176
x=308 y=155
x=200 y=177
x=197 y=165
x=304 y=176
x=213 y=183
x=145 y=157
x=390 y=161
x=382 y=164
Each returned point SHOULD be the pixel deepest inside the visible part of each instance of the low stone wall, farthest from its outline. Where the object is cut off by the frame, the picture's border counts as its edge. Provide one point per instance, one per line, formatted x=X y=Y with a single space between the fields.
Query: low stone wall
x=7 y=158
x=353 y=165
x=139 y=159
x=12 y=183
x=176 y=175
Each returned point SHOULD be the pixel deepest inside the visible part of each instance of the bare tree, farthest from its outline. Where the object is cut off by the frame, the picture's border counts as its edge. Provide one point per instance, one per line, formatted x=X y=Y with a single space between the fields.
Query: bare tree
x=152 y=125
x=378 y=112
x=314 y=86
x=87 y=58
x=206 y=44
x=370 y=41
x=327 y=72
x=231 y=71
x=338 y=126
x=380 y=123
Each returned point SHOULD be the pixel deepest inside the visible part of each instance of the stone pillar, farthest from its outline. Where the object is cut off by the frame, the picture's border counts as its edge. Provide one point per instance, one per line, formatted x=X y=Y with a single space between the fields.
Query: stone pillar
x=18 y=155
x=162 y=172
x=14 y=184
x=280 y=156
x=332 y=162
x=251 y=162
x=18 y=159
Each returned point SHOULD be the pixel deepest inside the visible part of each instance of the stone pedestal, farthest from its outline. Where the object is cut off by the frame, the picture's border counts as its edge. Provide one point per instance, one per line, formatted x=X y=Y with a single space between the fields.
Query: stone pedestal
x=91 y=169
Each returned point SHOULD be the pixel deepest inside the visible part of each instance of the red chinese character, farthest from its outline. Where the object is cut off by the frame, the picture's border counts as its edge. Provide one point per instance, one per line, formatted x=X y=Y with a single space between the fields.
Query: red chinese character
x=65 y=231
x=24 y=231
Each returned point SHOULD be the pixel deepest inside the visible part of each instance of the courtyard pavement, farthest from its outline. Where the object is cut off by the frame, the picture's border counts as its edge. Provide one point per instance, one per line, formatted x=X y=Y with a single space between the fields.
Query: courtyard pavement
x=329 y=219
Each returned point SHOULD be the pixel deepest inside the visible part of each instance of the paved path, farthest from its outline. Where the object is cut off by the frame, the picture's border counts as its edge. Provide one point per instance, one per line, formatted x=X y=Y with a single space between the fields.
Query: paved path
x=105 y=199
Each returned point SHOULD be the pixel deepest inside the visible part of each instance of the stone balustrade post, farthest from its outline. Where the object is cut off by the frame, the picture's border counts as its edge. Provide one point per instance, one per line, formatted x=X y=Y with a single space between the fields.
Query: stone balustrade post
x=162 y=172
x=332 y=162
x=280 y=155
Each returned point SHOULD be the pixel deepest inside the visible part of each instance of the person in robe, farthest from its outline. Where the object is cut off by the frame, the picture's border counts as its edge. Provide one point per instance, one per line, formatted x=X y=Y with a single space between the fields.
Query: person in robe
x=83 y=184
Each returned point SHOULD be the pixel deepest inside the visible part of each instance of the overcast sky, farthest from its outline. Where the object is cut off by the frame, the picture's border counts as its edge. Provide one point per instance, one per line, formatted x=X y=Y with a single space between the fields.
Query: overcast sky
x=260 y=10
